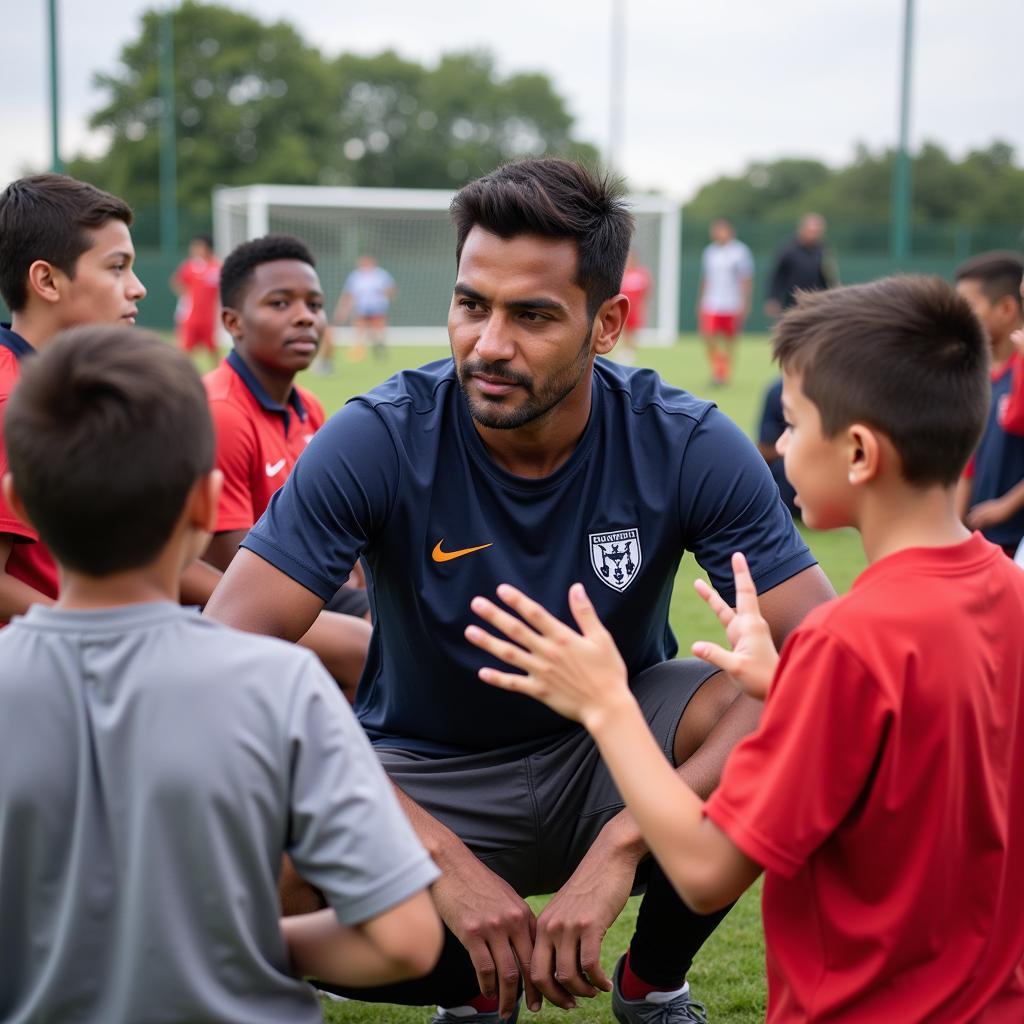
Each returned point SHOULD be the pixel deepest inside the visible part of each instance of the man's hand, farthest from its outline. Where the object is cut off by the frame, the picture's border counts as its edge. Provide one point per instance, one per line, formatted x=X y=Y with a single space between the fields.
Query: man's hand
x=753 y=657
x=579 y=675
x=495 y=925
x=988 y=513
x=571 y=928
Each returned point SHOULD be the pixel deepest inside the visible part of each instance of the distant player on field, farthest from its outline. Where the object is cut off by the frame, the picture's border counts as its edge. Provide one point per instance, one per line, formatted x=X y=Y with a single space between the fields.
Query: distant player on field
x=65 y=259
x=366 y=297
x=636 y=286
x=882 y=793
x=158 y=765
x=803 y=263
x=991 y=494
x=196 y=282
x=723 y=297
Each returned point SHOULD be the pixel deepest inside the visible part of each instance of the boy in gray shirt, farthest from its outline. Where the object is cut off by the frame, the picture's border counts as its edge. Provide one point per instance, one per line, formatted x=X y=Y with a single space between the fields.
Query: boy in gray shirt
x=156 y=765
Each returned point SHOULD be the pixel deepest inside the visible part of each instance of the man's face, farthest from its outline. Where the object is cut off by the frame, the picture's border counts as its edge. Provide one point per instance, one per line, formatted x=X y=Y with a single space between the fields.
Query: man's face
x=998 y=318
x=811 y=231
x=518 y=326
x=104 y=288
x=815 y=464
x=721 y=232
x=281 y=317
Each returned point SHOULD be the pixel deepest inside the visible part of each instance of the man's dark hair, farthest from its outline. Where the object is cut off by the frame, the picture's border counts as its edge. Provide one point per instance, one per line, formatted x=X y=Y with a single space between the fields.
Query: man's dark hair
x=236 y=273
x=107 y=432
x=554 y=199
x=904 y=355
x=206 y=239
x=48 y=217
x=998 y=274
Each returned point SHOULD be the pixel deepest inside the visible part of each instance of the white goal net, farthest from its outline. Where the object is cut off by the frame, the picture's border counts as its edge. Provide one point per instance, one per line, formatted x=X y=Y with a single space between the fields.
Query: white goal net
x=410 y=234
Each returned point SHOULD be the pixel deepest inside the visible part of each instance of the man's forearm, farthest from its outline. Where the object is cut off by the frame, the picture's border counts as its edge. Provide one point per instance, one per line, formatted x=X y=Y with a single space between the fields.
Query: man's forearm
x=439 y=840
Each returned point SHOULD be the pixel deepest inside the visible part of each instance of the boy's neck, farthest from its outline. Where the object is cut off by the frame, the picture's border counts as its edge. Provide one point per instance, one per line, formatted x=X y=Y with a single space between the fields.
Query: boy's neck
x=157 y=581
x=897 y=517
x=278 y=387
x=35 y=329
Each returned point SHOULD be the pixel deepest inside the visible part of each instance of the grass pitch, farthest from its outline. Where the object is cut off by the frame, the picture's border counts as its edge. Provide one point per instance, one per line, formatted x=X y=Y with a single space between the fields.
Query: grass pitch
x=728 y=974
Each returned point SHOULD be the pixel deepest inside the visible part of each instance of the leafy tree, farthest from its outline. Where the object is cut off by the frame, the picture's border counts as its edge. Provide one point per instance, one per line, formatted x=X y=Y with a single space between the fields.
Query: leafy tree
x=255 y=103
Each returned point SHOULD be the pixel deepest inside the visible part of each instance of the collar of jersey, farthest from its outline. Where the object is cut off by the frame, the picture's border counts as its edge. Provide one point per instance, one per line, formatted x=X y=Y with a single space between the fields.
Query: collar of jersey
x=15 y=342
x=237 y=363
x=528 y=483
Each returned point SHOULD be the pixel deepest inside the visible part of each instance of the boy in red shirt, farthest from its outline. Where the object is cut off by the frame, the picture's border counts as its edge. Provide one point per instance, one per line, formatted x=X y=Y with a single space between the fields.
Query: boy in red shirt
x=196 y=282
x=881 y=793
x=65 y=260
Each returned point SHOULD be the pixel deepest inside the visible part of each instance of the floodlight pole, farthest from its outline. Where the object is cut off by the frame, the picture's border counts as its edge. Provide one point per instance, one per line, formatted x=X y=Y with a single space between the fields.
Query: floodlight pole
x=616 y=84
x=899 y=226
x=168 y=141
x=56 y=164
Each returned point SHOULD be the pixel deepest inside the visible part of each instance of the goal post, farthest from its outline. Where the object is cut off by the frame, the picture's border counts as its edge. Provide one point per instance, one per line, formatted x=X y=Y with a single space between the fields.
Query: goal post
x=409 y=233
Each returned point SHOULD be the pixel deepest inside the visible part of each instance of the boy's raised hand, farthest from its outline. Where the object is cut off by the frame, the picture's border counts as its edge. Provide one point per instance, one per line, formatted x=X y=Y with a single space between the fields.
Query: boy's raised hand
x=753 y=657
x=579 y=675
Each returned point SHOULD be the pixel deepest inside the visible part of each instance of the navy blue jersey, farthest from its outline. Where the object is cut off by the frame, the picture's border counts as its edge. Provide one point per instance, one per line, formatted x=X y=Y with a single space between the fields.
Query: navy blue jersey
x=769 y=430
x=401 y=476
x=999 y=460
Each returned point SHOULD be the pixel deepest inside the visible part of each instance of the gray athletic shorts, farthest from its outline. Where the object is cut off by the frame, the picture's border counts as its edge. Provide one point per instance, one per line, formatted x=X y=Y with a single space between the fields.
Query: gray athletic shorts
x=529 y=813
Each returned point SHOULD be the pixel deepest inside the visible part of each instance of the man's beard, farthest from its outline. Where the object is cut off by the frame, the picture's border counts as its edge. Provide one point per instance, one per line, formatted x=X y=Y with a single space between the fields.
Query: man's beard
x=492 y=413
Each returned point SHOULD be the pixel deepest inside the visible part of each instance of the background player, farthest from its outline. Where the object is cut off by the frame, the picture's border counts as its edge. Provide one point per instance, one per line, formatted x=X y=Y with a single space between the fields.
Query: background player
x=366 y=297
x=156 y=764
x=894 y=726
x=723 y=297
x=801 y=264
x=991 y=495
x=636 y=284
x=522 y=457
x=65 y=259
x=196 y=282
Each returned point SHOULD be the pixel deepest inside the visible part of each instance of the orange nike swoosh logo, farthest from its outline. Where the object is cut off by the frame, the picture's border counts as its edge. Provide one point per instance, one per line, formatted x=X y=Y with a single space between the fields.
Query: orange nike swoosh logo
x=446 y=556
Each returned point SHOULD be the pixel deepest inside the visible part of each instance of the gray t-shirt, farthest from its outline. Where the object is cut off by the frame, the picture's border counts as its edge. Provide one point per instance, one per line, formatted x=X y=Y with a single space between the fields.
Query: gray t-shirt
x=155 y=765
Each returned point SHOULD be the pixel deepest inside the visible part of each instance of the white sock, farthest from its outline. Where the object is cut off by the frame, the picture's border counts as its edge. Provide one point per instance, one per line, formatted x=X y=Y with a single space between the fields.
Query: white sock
x=458 y=1011
x=667 y=997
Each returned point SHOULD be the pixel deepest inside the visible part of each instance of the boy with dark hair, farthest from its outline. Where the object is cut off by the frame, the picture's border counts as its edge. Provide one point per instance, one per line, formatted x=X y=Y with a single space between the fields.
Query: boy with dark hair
x=158 y=765
x=196 y=282
x=526 y=456
x=991 y=495
x=65 y=259
x=881 y=793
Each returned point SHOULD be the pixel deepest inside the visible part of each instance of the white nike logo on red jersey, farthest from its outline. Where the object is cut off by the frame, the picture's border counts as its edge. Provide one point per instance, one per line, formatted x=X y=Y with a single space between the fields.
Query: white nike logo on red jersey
x=273 y=468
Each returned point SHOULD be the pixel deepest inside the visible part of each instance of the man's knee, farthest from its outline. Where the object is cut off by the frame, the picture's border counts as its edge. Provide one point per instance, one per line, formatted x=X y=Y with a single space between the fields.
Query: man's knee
x=703 y=712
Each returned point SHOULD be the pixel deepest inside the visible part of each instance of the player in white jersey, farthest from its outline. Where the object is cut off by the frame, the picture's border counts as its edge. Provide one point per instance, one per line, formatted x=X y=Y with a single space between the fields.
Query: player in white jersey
x=366 y=297
x=723 y=298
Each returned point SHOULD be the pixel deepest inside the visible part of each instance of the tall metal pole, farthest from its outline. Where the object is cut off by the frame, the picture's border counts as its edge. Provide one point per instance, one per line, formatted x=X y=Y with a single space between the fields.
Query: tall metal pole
x=899 y=221
x=168 y=142
x=616 y=85
x=56 y=164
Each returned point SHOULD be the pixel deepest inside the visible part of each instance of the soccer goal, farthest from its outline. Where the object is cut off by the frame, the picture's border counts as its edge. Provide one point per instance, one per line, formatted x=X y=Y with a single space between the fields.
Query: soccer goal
x=410 y=234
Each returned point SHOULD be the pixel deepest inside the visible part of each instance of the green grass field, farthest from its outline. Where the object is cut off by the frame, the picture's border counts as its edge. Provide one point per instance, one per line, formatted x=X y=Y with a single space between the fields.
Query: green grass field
x=729 y=973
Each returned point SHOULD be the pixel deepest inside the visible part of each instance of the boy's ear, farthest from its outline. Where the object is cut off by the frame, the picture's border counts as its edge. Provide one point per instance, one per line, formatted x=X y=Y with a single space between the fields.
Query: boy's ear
x=232 y=322
x=13 y=499
x=865 y=450
x=204 y=501
x=608 y=323
x=43 y=281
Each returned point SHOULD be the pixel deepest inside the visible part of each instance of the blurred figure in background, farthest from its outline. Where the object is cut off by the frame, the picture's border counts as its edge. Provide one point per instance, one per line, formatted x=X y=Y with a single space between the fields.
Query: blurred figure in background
x=366 y=297
x=636 y=284
x=723 y=297
x=196 y=282
x=802 y=264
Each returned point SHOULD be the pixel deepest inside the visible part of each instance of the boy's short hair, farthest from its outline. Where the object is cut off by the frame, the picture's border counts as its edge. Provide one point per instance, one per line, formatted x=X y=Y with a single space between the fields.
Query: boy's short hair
x=236 y=272
x=48 y=217
x=903 y=354
x=205 y=239
x=998 y=274
x=107 y=431
x=555 y=199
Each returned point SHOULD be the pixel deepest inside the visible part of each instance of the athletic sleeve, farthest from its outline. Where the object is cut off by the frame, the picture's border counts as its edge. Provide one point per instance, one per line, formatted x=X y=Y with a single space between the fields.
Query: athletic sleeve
x=236 y=456
x=746 y=263
x=787 y=787
x=348 y=836
x=729 y=502
x=338 y=496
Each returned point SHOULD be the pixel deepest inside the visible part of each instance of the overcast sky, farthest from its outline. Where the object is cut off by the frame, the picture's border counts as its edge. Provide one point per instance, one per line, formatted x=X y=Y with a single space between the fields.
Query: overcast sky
x=709 y=85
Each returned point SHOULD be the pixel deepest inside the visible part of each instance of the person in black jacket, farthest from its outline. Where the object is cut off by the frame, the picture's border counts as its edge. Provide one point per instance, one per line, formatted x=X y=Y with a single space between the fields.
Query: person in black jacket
x=802 y=264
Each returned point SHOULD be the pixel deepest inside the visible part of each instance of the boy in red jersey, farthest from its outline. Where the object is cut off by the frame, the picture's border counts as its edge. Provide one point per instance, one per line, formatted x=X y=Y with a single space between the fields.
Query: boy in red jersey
x=196 y=282
x=636 y=284
x=65 y=259
x=881 y=793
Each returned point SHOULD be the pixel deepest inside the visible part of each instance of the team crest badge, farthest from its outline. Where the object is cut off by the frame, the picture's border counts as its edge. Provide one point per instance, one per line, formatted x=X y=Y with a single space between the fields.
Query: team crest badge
x=616 y=557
